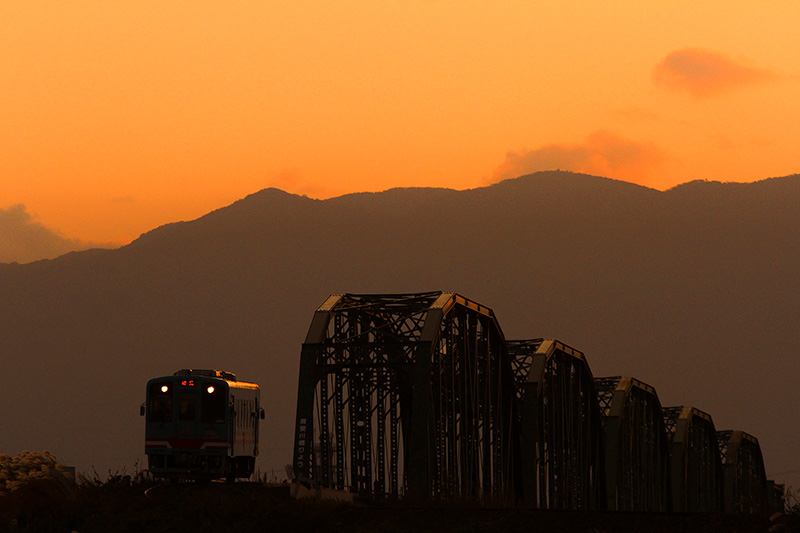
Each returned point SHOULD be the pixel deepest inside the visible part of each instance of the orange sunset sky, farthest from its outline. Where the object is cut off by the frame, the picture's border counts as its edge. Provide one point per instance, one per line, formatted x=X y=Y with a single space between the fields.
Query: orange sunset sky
x=120 y=116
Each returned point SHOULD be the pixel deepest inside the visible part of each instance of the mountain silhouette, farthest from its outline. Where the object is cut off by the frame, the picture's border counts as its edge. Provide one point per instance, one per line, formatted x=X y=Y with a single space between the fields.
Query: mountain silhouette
x=693 y=290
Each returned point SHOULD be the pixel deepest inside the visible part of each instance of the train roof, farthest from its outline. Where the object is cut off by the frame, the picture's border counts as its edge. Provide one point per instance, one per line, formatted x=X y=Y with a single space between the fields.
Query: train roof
x=229 y=377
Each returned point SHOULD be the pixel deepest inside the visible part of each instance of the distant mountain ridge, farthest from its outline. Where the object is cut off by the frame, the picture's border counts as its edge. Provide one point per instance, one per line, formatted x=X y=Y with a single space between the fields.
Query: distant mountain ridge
x=693 y=290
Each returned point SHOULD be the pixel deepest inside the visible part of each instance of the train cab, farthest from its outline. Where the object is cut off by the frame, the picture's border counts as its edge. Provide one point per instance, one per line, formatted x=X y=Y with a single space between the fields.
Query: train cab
x=201 y=424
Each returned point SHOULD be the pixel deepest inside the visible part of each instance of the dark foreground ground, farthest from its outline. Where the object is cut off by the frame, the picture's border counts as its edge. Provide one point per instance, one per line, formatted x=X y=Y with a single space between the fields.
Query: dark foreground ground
x=242 y=508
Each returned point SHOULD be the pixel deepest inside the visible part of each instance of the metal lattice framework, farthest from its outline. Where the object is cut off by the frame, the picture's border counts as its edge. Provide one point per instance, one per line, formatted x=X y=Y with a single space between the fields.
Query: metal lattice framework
x=420 y=395
x=744 y=480
x=560 y=438
x=635 y=442
x=406 y=394
x=695 y=467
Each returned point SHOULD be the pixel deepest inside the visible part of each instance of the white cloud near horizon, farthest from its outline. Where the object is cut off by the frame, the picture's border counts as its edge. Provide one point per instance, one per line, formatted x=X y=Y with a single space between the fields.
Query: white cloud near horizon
x=704 y=73
x=23 y=239
x=602 y=153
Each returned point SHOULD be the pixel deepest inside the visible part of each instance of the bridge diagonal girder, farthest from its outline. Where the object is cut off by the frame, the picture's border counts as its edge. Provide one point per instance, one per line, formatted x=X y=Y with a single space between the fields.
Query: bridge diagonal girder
x=695 y=467
x=406 y=393
x=559 y=420
x=635 y=444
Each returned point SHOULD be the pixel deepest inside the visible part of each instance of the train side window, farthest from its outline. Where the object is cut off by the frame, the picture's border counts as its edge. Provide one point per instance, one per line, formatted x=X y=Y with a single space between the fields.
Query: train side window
x=213 y=405
x=187 y=408
x=160 y=409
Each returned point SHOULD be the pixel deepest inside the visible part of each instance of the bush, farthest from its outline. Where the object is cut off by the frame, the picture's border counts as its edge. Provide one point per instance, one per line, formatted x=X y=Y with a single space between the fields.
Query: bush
x=34 y=489
x=28 y=467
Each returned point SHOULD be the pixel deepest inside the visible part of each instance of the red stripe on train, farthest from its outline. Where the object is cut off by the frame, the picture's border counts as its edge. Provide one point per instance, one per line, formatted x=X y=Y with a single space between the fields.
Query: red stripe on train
x=188 y=444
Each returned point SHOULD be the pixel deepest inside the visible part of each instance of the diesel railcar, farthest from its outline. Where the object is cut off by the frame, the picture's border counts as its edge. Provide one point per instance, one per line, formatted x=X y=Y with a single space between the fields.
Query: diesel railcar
x=201 y=425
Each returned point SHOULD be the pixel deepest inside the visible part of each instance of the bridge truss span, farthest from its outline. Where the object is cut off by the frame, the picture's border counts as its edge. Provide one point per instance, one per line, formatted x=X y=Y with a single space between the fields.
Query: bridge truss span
x=695 y=467
x=743 y=477
x=560 y=439
x=406 y=394
x=636 y=448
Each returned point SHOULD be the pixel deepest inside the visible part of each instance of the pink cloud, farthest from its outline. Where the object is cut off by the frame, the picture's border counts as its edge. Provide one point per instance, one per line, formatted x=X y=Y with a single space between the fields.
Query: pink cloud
x=602 y=153
x=704 y=73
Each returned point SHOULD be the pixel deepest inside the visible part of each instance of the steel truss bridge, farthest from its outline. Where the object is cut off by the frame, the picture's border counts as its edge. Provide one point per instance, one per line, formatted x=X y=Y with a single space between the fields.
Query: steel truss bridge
x=420 y=396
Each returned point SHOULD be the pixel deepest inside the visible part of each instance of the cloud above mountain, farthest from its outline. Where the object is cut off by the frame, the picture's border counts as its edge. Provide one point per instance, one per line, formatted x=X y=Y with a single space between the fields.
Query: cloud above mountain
x=602 y=154
x=23 y=239
x=704 y=73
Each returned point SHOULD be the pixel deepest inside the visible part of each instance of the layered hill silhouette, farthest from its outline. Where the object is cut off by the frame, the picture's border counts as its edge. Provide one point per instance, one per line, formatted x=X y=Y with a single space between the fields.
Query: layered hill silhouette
x=693 y=290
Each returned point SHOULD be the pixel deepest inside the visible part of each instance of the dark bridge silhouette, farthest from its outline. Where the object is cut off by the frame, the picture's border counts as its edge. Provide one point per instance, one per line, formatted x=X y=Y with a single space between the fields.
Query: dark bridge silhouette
x=421 y=396
x=559 y=426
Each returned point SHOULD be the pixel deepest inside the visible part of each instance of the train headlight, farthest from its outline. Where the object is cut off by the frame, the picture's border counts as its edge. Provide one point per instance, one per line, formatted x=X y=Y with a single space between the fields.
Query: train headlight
x=210 y=389
x=164 y=388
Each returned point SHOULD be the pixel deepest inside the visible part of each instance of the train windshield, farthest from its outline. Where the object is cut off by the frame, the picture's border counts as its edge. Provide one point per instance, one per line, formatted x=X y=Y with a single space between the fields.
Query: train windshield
x=160 y=408
x=213 y=404
x=206 y=401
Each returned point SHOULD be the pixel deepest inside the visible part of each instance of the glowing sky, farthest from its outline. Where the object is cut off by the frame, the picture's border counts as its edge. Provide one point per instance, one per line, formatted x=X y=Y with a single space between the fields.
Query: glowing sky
x=117 y=117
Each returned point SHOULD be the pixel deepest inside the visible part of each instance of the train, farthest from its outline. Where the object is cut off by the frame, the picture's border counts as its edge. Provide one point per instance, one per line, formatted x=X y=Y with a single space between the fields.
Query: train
x=201 y=425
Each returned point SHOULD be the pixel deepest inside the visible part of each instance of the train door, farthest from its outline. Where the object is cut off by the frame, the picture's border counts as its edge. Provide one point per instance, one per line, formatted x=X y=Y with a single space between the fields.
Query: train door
x=258 y=415
x=244 y=423
x=186 y=407
x=233 y=425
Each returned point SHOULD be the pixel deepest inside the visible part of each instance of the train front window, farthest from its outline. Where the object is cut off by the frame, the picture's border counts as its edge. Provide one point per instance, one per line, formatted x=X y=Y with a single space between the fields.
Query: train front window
x=187 y=407
x=160 y=408
x=213 y=404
